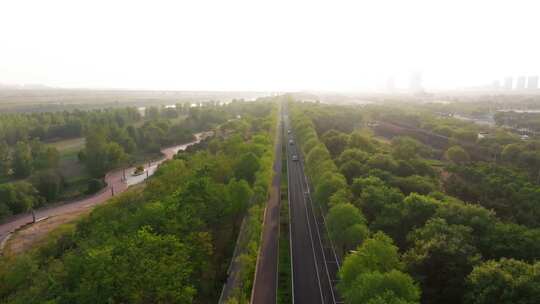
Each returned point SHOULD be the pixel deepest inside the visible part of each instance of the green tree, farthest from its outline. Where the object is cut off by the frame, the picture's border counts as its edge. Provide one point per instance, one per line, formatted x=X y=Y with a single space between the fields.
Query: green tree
x=441 y=257
x=335 y=142
x=342 y=196
x=5 y=159
x=94 y=185
x=377 y=253
x=389 y=287
x=405 y=148
x=511 y=152
x=22 y=160
x=49 y=184
x=374 y=198
x=361 y=141
x=352 y=154
x=414 y=183
x=399 y=219
x=246 y=167
x=19 y=197
x=360 y=184
x=151 y=113
x=382 y=162
x=457 y=155
x=101 y=155
x=465 y=135
x=371 y=274
x=115 y=155
x=330 y=183
x=351 y=169
x=346 y=227
x=506 y=281
x=95 y=153
x=238 y=194
x=317 y=155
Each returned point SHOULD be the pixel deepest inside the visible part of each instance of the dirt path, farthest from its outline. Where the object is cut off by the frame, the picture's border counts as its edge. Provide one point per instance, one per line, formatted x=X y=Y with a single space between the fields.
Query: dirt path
x=61 y=213
x=26 y=237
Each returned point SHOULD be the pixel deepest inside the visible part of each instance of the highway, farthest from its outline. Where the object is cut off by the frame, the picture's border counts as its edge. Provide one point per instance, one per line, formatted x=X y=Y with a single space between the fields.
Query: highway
x=314 y=265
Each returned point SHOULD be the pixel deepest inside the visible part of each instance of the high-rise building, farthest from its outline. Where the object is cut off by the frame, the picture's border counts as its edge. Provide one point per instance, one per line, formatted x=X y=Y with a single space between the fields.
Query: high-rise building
x=508 y=83
x=532 y=82
x=520 y=85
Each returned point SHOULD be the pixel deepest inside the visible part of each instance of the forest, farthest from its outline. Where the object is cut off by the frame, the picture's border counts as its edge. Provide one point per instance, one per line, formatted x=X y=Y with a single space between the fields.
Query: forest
x=167 y=242
x=417 y=221
x=419 y=207
x=34 y=173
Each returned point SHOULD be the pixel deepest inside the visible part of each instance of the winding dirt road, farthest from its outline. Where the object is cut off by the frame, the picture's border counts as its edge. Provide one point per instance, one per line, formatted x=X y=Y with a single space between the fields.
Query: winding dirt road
x=115 y=185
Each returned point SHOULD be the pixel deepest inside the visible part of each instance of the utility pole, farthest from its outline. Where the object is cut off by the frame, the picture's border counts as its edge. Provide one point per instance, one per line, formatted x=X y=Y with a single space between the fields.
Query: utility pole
x=33 y=216
x=112 y=190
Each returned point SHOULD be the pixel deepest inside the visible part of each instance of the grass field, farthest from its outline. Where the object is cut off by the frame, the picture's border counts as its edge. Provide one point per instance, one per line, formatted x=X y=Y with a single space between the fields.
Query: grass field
x=68 y=145
x=69 y=165
x=73 y=171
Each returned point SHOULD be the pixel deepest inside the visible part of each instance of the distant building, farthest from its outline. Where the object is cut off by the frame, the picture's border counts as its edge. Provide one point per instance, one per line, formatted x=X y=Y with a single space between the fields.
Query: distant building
x=508 y=83
x=520 y=85
x=532 y=82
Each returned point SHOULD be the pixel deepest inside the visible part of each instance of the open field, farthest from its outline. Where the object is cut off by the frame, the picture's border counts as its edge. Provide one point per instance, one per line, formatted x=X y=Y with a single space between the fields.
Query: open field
x=74 y=172
x=45 y=100
x=68 y=145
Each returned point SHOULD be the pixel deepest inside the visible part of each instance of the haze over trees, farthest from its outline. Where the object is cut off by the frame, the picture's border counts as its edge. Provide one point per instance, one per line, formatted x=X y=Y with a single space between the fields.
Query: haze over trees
x=418 y=206
x=169 y=242
x=454 y=211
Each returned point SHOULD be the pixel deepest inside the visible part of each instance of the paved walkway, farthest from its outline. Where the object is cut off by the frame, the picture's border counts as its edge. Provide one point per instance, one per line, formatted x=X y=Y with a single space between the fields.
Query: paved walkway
x=115 y=185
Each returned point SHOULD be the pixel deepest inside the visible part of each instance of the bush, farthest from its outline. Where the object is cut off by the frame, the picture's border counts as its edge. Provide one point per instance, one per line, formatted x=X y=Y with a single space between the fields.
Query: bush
x=94 y=185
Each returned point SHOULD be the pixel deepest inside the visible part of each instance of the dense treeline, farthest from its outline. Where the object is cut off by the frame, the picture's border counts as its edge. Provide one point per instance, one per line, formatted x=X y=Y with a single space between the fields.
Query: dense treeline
x=26 y=158
x=114 y=138
x=509 y=193
x=169 y=242
x=109 y=144
x=388 y=202
x=59 y=125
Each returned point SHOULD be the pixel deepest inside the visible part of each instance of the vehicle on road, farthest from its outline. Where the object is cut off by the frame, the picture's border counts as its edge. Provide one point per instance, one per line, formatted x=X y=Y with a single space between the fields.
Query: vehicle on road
x=291 y=142
x=288 y=131
x=295 y=158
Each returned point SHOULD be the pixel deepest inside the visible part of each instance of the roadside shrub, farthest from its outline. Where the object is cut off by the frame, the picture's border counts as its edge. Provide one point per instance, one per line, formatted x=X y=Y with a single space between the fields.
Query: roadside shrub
x=94 y=185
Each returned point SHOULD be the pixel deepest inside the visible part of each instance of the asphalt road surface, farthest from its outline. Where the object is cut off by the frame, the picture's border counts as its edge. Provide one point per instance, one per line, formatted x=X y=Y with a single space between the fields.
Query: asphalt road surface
x=312 y=281
x=115 y=185
x=265 y=284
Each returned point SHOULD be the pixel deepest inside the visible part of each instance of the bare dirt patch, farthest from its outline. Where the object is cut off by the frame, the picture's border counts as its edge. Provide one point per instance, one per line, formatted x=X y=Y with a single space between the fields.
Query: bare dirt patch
x=34 y=234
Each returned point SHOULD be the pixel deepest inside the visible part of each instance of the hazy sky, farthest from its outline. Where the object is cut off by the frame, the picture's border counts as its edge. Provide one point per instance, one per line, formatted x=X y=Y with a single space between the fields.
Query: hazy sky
x=266 y=45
